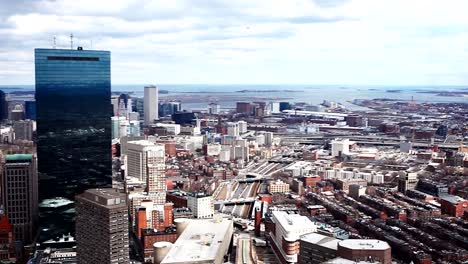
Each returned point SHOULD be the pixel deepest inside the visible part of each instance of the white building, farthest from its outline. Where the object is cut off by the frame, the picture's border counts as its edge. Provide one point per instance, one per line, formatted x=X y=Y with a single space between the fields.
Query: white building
x=172 y=129
x=201 y=241
x=214 y=108
x=202 y=206
x=242 y=127
x=260 y=139
x=341 y=147
x=232 y=129
x=213 y=149
x=274 y=107
x=151 y=104
x=288 y=231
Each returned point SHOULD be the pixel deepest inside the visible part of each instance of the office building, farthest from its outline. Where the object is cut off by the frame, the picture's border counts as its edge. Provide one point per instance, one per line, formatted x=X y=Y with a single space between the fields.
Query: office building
x=20 y=195
x=286 y=233
x=24 y=129
x=17 y=113
x=284 y=106
x=201 y=205
x=146 y=162
x=124 y=105
x=169 y=108
x=102 y=227
x=138 y=106
x=316 y=248
x=184 y=118
x=30 y=110
x=3 y=106
x=201 y=241
x=151 y=104
x=73 y=130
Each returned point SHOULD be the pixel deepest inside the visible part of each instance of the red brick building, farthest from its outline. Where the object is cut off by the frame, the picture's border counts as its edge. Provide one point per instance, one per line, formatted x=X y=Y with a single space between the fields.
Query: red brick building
x=364 y=249
x=150 y=236
x=453 y=205
x=177 y=199
x=311 y=180
x=7 y=245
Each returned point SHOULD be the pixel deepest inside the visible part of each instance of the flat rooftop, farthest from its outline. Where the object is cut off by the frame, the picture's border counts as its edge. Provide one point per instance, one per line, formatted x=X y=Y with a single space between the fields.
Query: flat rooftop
x=321 y=240
x=292 y=222
x=345 y=261
x=201 y=242
x=364 y=244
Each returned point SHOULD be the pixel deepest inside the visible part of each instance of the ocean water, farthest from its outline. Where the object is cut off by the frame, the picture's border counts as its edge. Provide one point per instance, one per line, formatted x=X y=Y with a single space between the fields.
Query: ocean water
x=197 y=96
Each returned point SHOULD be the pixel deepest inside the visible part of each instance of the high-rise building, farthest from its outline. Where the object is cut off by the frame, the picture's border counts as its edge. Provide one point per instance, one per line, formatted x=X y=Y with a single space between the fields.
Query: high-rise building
x=124 y=105
x=3 y=106
x=24 y=129
x=151 y=104
x=146 y=161
x=20 y=195
x=102 y=227
x=73 y=130
x=17 y=113
x=30 y=110
x=169 y=108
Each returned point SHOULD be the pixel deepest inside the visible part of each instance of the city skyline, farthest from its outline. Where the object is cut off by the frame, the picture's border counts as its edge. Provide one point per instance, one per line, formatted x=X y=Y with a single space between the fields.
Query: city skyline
x=320 y=42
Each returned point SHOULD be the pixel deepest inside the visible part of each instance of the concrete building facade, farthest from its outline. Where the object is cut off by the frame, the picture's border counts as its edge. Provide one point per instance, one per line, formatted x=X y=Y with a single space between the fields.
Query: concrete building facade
x=151 y=105
x=20 y=195
x=102 y=227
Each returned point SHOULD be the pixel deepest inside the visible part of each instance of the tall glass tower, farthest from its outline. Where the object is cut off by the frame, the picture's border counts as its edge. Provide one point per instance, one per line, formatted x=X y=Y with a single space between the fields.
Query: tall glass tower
x=73 y=130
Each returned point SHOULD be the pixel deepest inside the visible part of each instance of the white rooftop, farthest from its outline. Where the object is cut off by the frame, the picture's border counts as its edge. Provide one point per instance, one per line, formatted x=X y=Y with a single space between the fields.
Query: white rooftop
x=200 y=242
x=321 y=240
x=292 y=222
x=367 y=244
x=345 y=261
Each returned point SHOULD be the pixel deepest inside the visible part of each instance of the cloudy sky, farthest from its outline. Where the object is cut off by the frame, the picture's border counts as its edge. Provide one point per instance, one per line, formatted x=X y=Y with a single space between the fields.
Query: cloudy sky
x=394 y=42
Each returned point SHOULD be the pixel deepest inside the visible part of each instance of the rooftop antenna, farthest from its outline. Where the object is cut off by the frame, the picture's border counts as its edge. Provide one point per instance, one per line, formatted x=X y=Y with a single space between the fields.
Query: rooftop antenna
x=54 y=44
x=71 y=41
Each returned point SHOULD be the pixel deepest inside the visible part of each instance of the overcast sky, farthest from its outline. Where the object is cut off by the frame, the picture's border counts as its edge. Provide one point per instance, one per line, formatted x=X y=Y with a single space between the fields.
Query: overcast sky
x=394 y=42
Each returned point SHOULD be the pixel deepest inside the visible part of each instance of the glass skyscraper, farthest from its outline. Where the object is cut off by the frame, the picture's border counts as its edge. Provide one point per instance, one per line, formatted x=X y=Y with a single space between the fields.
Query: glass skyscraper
x=73 y=130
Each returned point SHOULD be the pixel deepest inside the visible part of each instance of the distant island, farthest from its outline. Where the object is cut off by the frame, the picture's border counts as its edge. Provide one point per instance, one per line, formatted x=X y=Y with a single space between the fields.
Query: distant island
x=448 y=93
x=268 y=91
x=393 y=91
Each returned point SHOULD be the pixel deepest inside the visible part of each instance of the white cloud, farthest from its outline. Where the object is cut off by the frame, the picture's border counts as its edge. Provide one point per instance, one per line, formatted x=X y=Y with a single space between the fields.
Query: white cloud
x=242 y=41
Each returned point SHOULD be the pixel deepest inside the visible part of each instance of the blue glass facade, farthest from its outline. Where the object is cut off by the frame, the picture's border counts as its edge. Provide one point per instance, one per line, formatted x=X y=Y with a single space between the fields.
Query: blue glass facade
x=30 y=110
x=73 y=130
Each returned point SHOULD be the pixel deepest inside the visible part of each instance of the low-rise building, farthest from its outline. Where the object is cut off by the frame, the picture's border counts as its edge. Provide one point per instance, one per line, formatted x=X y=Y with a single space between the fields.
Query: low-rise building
x=287 y=231
x=278 y=187
x=316 y=248
x=365 y=249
